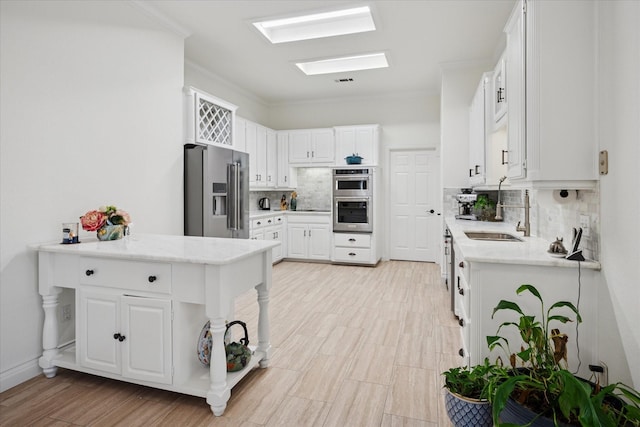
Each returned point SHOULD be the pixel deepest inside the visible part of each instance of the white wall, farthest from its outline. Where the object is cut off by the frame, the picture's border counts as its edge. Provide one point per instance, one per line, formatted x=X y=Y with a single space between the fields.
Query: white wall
x=459 y=83
x=619 y=134
x=91 y=114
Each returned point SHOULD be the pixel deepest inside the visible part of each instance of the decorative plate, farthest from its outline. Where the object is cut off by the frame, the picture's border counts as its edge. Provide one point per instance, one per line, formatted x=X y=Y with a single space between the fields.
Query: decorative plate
x=557 y=254
x=204 y=345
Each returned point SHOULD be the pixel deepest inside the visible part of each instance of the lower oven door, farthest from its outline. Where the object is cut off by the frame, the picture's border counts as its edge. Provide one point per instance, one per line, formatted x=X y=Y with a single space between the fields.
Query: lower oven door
x=352 y=214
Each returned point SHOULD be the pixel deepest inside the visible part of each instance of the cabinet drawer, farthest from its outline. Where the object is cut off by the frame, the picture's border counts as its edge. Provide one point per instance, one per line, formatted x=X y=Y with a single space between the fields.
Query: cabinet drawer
x=352 y=240
x=130 y=275
x=352 y=255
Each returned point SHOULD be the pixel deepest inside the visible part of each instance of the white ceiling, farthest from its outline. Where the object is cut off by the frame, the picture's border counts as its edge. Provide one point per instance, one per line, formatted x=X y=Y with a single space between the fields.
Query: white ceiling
x=419 y=36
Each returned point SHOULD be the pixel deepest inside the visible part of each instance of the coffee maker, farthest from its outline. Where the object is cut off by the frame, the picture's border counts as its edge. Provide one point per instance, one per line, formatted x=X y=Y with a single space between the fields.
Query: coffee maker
x=466 y=200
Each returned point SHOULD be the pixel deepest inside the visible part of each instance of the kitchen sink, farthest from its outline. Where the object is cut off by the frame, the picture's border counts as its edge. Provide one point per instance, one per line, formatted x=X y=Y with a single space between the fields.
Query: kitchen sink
x=492 y=235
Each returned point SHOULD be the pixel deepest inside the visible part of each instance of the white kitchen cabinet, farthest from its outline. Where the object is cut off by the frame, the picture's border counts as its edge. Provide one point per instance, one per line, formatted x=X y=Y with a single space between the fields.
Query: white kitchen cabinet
x=208 y=119
x=552 y=111
x=354 y=248
x=362 y=140
x=287 y=177
x=271 y=159
x=309 y=237
x=141 y=305
x=311 y=147
x=239 y=134
x=115 y=336
x=479 y=114
x=479 y=286
x=271 y=228
x=498 y=93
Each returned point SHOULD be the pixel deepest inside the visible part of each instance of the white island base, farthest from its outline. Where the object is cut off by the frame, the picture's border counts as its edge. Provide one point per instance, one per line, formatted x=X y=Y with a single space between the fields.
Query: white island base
x=140 y=303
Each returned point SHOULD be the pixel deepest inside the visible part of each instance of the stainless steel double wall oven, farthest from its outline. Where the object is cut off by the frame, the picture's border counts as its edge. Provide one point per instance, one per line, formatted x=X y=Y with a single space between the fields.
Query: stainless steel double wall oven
x=353 y=200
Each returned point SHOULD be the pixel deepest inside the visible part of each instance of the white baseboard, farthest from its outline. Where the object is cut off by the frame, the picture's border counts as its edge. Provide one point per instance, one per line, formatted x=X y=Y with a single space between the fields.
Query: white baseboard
x=19 y=374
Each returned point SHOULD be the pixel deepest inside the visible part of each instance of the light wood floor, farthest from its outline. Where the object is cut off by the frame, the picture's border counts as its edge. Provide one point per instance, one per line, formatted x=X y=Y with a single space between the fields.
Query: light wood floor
x=353 y=346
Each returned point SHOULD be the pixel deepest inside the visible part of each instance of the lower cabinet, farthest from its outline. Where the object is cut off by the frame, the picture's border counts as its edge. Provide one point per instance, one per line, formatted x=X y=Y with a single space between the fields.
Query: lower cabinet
x=354 y=248
x=116 y=337
x=479 y=286
x=309 y=237
x=270 y=228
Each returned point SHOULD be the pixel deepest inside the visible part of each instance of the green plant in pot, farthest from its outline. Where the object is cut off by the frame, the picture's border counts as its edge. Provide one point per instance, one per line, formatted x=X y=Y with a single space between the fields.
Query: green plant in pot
x=467 y=395
x=484 y=208
x=541 y=392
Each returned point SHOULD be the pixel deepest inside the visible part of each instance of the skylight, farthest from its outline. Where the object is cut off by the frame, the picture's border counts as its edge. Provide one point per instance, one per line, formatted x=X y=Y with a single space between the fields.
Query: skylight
x=344 y=64
x=318 y=25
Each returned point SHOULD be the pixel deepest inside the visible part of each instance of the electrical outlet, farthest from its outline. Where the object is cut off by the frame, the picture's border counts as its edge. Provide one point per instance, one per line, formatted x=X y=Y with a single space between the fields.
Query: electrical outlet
x=584 y=224
x=66 y=312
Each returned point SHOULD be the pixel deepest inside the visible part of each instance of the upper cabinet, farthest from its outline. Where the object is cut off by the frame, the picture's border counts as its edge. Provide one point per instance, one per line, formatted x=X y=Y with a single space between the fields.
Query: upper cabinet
x=311 y=147
x=239 y=134
x=551 y=85
x=209 y=120
x=498 y=97
x=362 y=140
x=479 y=116
x=287 y=178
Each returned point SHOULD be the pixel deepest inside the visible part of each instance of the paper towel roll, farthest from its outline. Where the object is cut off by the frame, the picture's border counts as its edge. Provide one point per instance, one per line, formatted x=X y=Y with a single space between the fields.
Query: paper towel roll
x=565 y=196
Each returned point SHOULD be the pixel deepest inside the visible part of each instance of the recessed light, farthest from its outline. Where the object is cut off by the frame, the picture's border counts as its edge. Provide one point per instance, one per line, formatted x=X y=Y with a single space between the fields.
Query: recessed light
x=344 y=64
x=318 y=25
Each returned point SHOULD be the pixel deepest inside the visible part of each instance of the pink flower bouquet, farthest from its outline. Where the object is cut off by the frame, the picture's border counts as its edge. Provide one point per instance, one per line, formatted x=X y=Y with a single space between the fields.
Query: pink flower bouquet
x=104 y=215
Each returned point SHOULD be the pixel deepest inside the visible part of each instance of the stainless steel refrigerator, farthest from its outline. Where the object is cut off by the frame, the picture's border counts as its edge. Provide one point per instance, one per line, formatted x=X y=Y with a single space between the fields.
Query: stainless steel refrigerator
x=216 y=192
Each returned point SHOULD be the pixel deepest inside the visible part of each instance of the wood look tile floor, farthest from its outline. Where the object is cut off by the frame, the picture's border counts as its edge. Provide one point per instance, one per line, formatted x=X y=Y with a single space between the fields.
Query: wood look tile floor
x=352 y=346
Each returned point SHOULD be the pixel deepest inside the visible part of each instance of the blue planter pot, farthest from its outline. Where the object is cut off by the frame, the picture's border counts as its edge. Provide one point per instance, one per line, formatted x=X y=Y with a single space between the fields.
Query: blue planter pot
x=465 y=412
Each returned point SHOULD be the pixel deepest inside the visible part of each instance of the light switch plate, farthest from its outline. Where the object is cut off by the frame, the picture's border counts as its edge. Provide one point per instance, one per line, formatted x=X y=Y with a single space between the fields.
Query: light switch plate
x=584 y=224
x=603 y=162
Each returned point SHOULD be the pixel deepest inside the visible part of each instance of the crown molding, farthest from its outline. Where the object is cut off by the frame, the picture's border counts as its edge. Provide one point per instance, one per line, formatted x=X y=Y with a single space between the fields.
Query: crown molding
x=160 y=18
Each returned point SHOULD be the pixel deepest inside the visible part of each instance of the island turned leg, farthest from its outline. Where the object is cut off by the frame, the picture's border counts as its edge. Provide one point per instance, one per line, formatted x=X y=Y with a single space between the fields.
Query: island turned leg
x=49 y=334
x=264 y=344
x=219 y=393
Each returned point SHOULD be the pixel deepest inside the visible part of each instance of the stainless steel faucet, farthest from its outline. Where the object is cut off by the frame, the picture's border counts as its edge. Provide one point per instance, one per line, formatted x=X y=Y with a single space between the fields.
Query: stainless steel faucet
x=527 y=206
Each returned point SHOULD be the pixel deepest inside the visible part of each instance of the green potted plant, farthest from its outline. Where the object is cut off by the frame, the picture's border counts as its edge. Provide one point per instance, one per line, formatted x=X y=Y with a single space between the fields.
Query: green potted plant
x=484 y=208
x=466 y=400
x=540 y=392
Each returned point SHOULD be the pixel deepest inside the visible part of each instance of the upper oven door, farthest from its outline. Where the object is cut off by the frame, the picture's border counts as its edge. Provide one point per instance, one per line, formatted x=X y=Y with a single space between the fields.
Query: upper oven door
x=352 y=214
x=351 y=185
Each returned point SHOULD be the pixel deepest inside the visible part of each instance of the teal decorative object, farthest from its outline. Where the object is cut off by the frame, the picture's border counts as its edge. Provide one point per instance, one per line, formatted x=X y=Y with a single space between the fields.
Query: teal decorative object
x=111 y=232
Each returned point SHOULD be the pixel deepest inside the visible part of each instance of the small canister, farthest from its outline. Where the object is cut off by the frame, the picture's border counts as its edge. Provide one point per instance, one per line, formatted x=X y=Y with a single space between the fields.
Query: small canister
x=70 y=232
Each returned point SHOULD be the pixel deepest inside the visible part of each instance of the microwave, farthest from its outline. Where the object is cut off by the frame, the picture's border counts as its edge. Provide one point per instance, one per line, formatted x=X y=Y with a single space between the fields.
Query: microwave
x=352 y=182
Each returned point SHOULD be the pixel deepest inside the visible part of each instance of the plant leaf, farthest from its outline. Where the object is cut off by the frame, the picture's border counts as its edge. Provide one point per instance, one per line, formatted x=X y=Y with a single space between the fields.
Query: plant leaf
x=563 y=319
x=566 y=304
x=506 y=305
x=530 y=288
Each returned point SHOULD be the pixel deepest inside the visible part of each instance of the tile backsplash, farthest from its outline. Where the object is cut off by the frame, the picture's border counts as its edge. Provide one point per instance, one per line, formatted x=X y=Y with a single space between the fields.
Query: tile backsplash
x=551 y=217
x=314 y=191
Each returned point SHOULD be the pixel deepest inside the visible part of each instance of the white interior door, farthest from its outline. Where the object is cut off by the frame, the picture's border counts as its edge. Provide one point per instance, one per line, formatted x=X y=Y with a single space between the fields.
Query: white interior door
x=414 y=229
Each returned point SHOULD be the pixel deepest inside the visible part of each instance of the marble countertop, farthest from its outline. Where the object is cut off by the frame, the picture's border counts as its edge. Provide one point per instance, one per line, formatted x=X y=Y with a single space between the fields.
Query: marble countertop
x=166 y=248
x=530 y=251
x=264 y=214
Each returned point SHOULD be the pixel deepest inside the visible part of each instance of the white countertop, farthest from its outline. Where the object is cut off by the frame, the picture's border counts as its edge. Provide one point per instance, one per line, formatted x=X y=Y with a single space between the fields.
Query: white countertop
x=154 y=247
x=263 y=214
x=531 y=251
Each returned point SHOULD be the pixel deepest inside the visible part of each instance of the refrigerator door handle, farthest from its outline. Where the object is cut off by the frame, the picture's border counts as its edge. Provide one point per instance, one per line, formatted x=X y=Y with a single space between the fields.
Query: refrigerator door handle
x=233 y=193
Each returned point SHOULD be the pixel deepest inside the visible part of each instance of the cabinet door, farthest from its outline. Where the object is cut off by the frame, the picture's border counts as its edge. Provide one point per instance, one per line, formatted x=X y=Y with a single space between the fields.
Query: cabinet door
x=261 y=156
x=98 y=321
x=345 y=145
x=477 y=136
x=275 y=234
x=252 y=148
x=297 y=240
x=299 y=146
x=271 y=178
x=284 y=171
x=516 y=92
x=239 y=135
x=319 y=237
x=366 y=145
x=146 y=349
x=498 y=93
x=322 y=146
